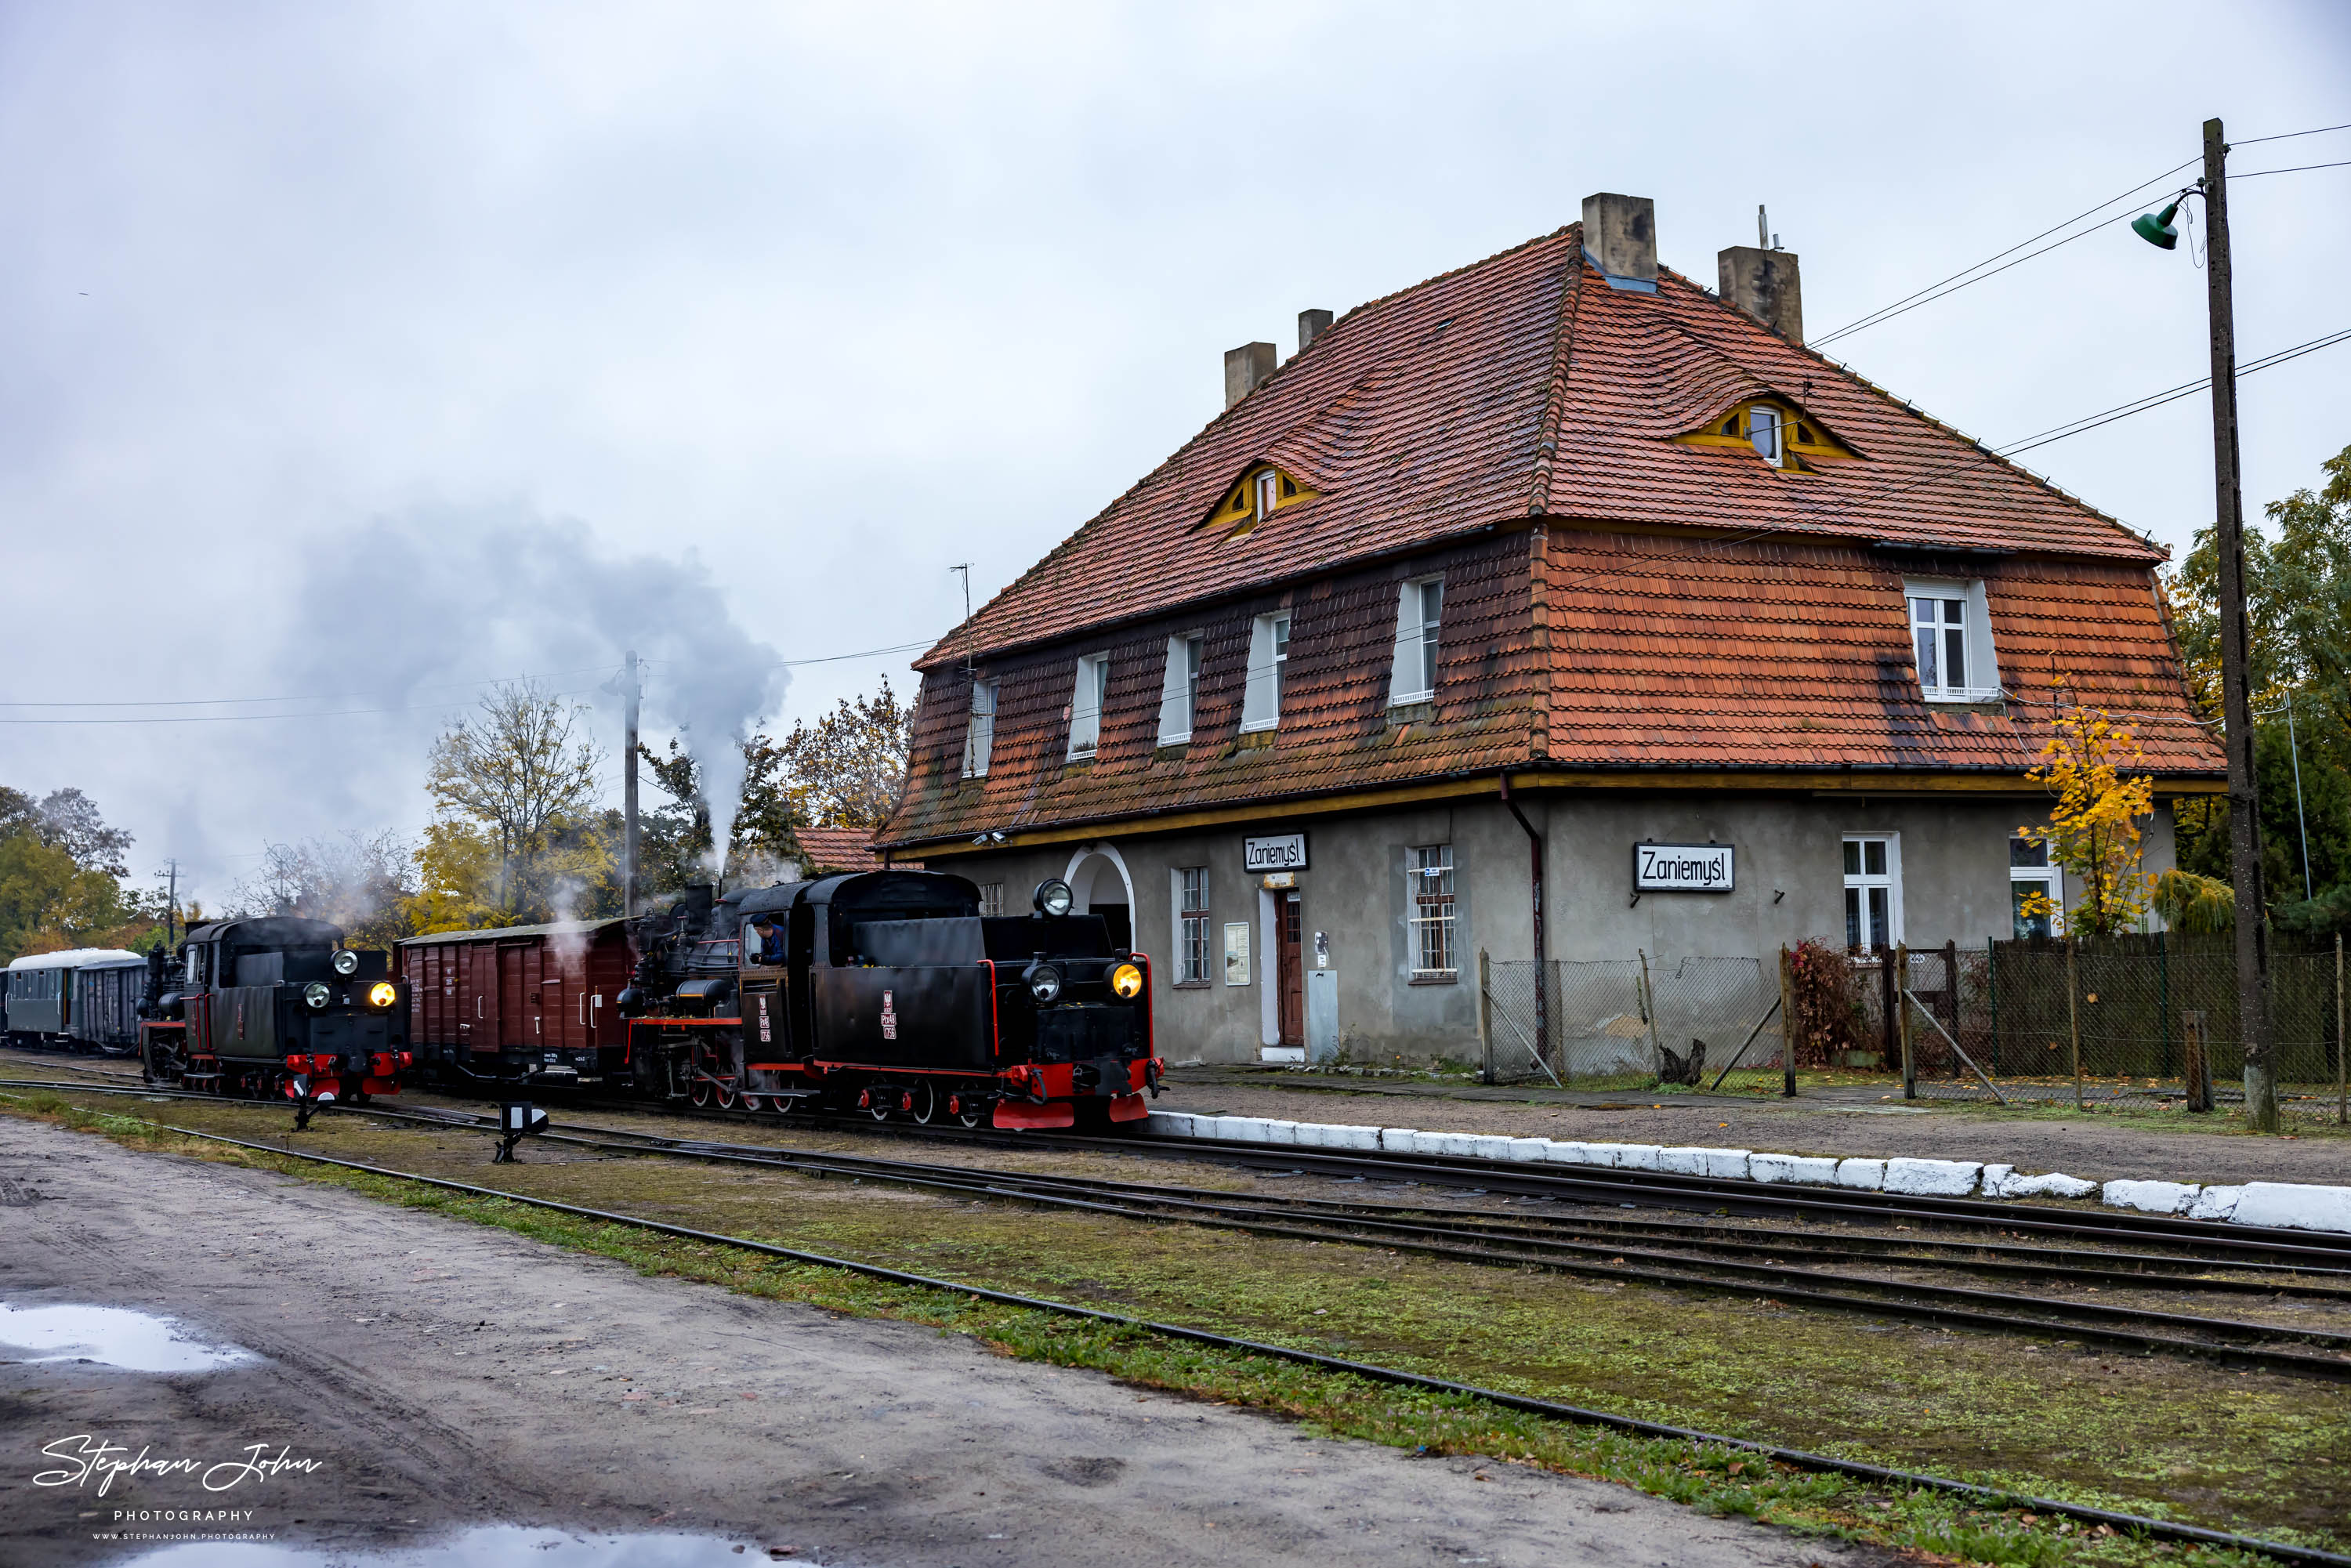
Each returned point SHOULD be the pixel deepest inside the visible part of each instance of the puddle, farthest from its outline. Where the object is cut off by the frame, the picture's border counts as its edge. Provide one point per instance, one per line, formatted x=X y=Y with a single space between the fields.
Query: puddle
x=110 y=1336
x=489 y=1546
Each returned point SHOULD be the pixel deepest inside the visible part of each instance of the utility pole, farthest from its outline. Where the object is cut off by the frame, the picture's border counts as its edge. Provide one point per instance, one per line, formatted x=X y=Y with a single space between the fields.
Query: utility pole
x=2236 y=658
x=629 y=689
x=171 y=907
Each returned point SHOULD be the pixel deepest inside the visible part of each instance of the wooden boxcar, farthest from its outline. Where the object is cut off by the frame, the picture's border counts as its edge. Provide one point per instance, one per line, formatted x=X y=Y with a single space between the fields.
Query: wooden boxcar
x=41 y=992
x=520 y=1003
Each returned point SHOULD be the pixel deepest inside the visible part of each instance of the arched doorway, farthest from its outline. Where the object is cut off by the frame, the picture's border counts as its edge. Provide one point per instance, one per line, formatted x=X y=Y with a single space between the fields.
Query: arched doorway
x=1099 y=885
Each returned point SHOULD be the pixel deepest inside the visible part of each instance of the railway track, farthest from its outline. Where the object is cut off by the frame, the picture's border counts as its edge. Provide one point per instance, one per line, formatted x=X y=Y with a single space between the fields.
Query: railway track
x=1865 y=1273
x=1874 y=1475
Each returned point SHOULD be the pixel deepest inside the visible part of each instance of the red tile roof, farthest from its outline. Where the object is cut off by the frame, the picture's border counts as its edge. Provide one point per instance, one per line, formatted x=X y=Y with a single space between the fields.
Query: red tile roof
x=1617 y=602
x=838 y=849
x=1520 y=386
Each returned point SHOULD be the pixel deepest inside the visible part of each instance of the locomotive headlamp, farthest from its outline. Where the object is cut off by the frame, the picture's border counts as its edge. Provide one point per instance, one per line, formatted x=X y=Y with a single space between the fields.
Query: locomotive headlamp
x=347 y=963
x=1044 y=981
x=1127 y=981
x=1054 y=897
x=382 y=995
x=315 y=993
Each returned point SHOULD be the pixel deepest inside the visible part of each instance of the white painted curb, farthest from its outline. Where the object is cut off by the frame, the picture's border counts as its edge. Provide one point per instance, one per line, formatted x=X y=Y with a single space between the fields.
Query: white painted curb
x=2286 y=1205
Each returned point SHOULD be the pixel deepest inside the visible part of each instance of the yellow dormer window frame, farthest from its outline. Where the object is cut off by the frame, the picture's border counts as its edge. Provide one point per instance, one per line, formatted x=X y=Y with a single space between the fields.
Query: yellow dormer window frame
x=1778 y=432
x=1263 y=490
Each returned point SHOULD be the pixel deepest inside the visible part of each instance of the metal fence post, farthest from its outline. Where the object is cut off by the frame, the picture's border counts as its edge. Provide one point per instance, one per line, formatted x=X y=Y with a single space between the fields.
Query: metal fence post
x=1486 y=1011
x=2163 y=994
x=2073 y=1017
x=1787 y=1028
x=1902 y=1000
x=1649 y=1006
x=2198 y=1067
x=1991 y=997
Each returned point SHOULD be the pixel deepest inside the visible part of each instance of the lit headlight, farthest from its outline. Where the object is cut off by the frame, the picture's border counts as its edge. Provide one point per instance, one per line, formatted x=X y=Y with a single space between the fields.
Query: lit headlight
x=347 y=963
x=315 y=993
x=1044 y=981
x=1054 y=897
x=1127 y=981
x=382 y=995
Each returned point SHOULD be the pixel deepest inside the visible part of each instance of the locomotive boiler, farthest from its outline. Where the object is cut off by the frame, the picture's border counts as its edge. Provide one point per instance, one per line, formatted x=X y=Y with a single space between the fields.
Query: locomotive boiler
x=274 y=1005
x=889 y=993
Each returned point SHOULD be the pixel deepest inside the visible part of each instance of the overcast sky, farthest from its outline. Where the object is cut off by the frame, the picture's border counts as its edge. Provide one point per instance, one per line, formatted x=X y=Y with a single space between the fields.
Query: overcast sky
x=363 y=352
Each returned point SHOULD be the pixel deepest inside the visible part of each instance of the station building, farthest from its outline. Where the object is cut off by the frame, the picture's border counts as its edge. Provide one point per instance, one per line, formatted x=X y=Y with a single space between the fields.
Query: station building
x=1555 y=606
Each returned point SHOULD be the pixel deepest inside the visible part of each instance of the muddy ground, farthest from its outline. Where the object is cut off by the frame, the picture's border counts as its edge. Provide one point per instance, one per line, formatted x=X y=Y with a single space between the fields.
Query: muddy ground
x=445 y=1374
x=2101 y=1145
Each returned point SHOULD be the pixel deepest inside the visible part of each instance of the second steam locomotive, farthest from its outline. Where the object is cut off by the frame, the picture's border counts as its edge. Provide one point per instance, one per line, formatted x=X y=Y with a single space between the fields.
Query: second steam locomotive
x=886 y=993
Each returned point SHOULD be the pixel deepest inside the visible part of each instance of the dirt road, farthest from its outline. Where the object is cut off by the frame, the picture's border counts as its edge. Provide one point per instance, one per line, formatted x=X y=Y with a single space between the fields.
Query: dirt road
x=443 y=1374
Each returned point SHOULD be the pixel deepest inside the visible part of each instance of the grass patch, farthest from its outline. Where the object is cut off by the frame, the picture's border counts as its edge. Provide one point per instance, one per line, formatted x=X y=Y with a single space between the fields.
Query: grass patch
x=2259 y=1454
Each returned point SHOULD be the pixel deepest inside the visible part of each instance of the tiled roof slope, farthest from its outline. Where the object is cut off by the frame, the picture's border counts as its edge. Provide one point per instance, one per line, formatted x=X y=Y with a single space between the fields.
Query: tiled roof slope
x=838 y=849
x=1679 y=651
x=1519 y=385
x=1336 y=732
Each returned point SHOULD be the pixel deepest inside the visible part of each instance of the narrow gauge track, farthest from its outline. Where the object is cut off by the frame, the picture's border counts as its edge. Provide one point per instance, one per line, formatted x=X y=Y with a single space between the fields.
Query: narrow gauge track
x=1561 y=1244
x=1795 y=1458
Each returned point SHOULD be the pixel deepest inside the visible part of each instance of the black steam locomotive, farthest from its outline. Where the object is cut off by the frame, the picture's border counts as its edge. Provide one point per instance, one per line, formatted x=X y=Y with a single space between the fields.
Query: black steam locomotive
x=274 y=1005
x=888 y=992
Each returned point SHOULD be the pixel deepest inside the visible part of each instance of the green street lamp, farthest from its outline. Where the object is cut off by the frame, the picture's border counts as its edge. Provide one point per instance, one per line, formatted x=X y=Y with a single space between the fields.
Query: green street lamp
x=2157 y=228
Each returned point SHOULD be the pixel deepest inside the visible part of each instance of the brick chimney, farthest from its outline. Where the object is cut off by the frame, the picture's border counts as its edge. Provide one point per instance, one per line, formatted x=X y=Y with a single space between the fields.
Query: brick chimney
x=1620 y=236
x=1245 y=368
x=1765 y=284
x=1311 y=324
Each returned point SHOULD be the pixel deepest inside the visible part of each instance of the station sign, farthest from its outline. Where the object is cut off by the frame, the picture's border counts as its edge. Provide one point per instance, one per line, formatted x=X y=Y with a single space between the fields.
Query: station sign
x=1681 y=868
x=1274 y=851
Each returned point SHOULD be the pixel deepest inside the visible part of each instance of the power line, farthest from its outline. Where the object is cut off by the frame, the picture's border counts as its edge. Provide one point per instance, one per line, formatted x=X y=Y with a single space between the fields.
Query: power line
x=2285 y=136
x=1912 y=301
x=2297 y=169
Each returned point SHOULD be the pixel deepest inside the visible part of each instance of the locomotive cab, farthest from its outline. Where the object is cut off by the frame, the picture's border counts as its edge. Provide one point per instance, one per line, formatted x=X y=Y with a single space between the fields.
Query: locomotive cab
x=276 y=1004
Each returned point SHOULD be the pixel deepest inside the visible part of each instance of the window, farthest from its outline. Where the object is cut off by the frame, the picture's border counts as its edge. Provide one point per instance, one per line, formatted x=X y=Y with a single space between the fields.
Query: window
x=991 y=898
x=1086 y=704
x=1179 y=689
x=1873 y=892
x=2029 y=872
x=1413 y=678
x=1763 y=431
x=1269 y=652
x=1269 y=493
x=979 y=731
x=1428 y=882
x=1191 y=925
x=1951 y=640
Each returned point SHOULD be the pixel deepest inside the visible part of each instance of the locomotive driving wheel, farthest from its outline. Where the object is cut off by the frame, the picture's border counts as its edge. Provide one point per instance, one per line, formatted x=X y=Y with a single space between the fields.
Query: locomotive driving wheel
x=877 y=1103
x=727 y=1096
x=755 y=1104
x=927 y=1104
x=699 y=1092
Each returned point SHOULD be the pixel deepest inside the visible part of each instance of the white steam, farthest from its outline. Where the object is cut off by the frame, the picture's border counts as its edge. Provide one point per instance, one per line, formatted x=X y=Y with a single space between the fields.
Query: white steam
x=417 y=608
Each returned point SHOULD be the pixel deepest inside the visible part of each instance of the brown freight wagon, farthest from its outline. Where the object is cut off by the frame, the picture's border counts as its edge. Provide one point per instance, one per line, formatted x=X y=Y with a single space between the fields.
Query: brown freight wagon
x=522 y=1003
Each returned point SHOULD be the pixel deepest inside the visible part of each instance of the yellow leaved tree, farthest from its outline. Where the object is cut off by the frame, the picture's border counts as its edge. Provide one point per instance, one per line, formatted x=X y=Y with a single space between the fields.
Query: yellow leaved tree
x=2095 y=829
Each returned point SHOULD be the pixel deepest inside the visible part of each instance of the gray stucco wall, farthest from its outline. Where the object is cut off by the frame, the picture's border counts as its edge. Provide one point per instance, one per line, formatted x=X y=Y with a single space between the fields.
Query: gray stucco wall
x=1790 y=886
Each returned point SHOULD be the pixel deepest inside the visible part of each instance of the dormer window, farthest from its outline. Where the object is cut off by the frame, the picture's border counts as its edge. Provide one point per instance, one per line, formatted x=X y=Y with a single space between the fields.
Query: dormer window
x=1950 y=641
x=1259 y=493
x=1780 y=434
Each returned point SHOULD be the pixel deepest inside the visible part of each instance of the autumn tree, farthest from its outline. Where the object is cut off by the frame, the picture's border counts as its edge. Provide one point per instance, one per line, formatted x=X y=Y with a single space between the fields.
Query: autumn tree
x=2095 y=829
x=60 y=877
x=517 y=784
x=848 y=771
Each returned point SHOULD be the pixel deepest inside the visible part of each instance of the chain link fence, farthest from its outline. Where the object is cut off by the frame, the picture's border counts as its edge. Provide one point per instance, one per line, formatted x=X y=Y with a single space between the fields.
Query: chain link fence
x=1628 y=1023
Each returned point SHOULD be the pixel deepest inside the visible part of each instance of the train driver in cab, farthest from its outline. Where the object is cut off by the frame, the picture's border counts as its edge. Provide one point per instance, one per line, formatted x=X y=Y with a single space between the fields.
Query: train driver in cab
x=771 y=939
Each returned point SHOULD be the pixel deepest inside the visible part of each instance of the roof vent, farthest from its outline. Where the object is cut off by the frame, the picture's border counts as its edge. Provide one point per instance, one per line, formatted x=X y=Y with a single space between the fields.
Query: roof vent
x=1245 y=368
x=1620 y=236
x=1765 y=284
x=1311 y=324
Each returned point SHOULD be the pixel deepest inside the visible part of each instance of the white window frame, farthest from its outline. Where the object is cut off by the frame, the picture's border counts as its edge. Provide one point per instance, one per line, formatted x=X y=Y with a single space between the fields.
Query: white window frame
x=1428 y=874
x=2046 y=877
x=1086 y=701
x=1194 y=940
x=1269 y=652
x=1980 y=678
x=1412 y=674
x=979 y=731
x=1767 y=432
x=1269 y=493
x=1179 y=689
x=1865 y=880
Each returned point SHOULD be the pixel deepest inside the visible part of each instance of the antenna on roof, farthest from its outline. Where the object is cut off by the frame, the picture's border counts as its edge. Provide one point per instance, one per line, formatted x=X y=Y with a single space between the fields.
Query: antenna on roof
x=964 y=568
x=1762 y=229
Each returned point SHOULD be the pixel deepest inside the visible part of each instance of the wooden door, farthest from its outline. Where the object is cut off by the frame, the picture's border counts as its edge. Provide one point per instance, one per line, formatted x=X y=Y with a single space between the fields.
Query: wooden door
x=482 y=980
x=513 y=1018
x=555 y=1010
x=1290 y=972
